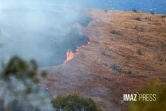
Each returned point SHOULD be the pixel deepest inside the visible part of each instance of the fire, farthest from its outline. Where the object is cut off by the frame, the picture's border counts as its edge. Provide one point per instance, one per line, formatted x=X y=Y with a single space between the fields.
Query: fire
x=89 y=41
x=69 y=56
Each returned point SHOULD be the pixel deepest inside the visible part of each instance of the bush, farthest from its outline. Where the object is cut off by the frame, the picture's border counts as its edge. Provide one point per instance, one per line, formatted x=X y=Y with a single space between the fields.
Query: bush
x=116 y=32
x=138 y=18
x=158 y=105
x=21 y=69
x=151 y=12
x=19 y=87
x=139 y=52
x=116 y=68
x=104 y=53
x=136 y=27
x=105 y=10
x=141 y=29
x=74 y=102
x=134 y=10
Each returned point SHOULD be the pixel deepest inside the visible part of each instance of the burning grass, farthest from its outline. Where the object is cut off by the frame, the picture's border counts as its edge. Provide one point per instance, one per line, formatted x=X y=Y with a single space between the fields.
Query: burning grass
x=69 y=56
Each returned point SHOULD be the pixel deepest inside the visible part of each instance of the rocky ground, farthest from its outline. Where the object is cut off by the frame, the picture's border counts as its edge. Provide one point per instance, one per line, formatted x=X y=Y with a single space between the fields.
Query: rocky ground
x=126 y=51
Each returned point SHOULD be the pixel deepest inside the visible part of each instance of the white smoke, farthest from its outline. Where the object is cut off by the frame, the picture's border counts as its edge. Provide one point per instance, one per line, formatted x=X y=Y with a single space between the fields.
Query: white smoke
x=36 y=29
x=15 y=90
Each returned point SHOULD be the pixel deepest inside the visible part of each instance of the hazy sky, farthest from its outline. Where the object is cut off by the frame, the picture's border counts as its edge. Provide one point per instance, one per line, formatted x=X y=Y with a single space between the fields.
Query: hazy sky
x=158 y=6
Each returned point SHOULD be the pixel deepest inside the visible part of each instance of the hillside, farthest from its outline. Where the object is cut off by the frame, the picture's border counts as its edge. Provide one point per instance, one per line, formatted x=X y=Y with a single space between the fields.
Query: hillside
x=126 y=50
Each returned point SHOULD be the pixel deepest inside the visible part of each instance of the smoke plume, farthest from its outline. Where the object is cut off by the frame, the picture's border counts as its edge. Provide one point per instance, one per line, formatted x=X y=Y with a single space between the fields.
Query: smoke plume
x=42 y=30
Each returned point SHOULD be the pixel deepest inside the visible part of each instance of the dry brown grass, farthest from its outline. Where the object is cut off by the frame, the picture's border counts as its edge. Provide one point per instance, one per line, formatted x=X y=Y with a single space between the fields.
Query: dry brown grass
x=135 y=57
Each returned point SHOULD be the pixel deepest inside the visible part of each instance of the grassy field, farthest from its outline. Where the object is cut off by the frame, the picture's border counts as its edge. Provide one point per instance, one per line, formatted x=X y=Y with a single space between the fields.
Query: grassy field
x=126 y=51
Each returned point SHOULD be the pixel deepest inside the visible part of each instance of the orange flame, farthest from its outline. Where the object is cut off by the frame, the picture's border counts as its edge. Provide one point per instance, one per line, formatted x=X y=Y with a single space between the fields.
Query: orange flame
x=69 y=56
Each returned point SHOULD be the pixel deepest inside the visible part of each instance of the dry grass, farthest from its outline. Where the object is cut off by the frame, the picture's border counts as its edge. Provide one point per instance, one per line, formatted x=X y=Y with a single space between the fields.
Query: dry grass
x=113 y=63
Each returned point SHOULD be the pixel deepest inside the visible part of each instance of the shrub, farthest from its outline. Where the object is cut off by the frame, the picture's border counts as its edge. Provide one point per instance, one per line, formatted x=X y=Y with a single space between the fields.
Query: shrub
x=163 y=16
x=134 y=10
x=105 y=10
x=151 y=12
x=116 y=32
x=136 y=27
x=139 y=52
x=104 y=53
x=116 y=68
x=129 y=72
x=19 y=86
x=21 y=70
x=158 y=103
x=141 y=29
x=74 y=102
x=148 y=18
x=138 y=18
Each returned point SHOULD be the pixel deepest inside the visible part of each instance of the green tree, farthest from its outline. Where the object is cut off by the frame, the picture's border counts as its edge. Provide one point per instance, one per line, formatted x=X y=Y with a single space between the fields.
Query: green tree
x=158 y=105
x=74 y=102
x=19 y=87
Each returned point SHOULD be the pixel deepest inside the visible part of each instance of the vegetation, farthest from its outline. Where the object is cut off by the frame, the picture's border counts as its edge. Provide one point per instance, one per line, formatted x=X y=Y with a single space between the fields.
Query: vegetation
x=139 y=52
x=148 y=18
x=158 y=105
x=163 y=16
x=151 y=12
x=20 y=91
x=105 y=10
x=141 y=29
x=138 y=18
x=116 y=32
x=129 y=72
x=21 y=70
x=18 y=81
x=104 y=53
x=136 y=27
x=74 y=102
x=134 y=10
x=116 y=68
